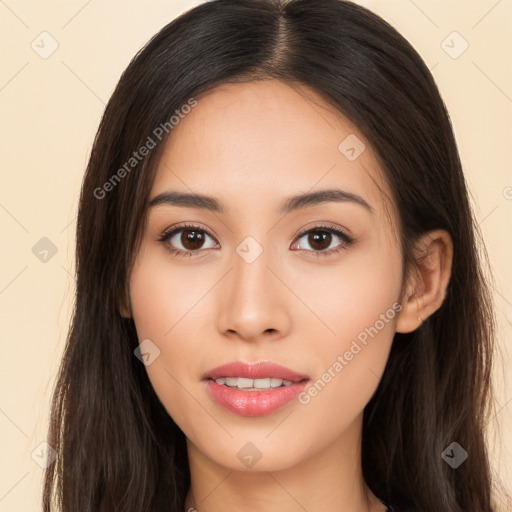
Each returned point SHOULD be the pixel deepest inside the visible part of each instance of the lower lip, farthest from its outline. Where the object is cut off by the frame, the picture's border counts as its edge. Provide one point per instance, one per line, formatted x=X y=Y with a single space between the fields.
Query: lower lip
x=253 y=403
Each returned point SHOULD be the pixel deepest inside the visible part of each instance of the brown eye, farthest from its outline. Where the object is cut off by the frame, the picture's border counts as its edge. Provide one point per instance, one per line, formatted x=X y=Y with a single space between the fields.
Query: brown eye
x=320 y=240
x=191 y=240
x=186 y=240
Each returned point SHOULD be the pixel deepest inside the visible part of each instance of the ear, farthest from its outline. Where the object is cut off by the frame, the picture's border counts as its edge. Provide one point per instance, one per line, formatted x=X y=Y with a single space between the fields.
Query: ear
x=427 y=283
x=124 y=310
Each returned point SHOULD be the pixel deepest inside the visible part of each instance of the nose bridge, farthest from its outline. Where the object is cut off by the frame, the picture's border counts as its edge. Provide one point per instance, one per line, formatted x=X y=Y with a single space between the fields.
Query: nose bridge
x=252 y=301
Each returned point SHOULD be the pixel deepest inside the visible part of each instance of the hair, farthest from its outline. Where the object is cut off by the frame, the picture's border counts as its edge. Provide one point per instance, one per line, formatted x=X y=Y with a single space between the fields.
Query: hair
x=118 y=449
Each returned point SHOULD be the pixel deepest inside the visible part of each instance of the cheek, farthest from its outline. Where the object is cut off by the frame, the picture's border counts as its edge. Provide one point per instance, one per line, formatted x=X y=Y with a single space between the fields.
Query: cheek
x=352 y=295
x=167 y=299
x=349 y=369
x=357 y=305
x=164 y=303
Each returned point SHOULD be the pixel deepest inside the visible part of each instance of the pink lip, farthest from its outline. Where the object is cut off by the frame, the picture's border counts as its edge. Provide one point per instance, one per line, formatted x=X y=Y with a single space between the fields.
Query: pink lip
x=255 y=370
x=254 y=403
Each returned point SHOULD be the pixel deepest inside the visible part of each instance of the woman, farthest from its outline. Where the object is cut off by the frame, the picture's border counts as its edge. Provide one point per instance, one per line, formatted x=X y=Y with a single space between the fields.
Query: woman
x=280 y=304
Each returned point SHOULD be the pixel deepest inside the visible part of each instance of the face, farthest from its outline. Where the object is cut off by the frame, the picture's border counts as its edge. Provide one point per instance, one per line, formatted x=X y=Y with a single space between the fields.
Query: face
x=312 y=287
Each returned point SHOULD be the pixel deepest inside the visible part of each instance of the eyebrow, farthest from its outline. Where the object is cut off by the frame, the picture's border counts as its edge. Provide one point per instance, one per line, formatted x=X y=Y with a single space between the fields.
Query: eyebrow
x=297 y=202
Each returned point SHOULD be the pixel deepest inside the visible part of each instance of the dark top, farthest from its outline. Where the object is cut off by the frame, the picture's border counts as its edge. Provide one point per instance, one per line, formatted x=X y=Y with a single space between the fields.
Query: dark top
x=393 y=508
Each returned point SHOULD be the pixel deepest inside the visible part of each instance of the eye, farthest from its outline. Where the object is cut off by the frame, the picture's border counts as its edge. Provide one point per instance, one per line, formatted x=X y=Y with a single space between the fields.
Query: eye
x=188 y=238
x=320 y=238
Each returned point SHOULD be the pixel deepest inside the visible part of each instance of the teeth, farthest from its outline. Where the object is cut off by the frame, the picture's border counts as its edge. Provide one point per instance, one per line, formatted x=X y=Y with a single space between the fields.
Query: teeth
x=252 y=384
x=275 y=383
x=243 y=383
x=263 y=383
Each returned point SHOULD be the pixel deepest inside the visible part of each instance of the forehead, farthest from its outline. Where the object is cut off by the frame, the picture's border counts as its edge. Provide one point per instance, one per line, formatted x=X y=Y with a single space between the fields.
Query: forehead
x=251 y=144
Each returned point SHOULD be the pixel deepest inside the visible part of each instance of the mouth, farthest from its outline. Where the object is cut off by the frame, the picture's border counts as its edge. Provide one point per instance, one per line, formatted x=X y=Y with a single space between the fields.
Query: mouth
x=255 y=375
x=254 y=389
x=246 y=384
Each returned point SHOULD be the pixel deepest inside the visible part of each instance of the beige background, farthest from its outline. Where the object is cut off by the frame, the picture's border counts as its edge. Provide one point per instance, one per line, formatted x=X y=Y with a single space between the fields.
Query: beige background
x=50 y=109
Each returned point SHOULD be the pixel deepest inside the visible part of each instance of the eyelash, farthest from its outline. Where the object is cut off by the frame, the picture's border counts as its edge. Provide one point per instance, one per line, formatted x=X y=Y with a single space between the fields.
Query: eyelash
x=347 y=240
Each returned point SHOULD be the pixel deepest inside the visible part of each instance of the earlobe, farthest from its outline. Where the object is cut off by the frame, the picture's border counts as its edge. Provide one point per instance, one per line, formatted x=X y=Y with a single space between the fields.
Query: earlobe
x=124 y=311
x=426 y=291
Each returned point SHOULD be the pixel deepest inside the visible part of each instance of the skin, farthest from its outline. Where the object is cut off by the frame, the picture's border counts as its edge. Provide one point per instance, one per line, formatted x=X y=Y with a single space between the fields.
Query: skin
x=251 y=146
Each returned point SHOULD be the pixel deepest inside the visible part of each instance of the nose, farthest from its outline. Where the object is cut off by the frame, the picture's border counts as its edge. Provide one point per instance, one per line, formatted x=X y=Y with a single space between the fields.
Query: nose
x=253 y=300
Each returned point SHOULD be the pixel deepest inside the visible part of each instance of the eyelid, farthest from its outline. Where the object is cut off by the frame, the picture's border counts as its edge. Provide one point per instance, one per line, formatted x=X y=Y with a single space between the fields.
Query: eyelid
x=319 y=225
x=185 y=225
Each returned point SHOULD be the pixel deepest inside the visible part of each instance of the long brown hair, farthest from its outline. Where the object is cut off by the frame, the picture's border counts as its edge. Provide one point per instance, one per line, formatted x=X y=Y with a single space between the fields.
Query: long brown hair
x=118 y=449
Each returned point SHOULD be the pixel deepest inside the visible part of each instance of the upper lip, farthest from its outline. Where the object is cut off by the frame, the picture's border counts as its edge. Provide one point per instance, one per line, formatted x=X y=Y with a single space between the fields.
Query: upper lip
x=254 y=370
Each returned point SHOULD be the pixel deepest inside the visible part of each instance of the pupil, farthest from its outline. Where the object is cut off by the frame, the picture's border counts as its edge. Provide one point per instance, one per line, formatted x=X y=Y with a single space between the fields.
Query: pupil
x=192 y=239
x=316 y=239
